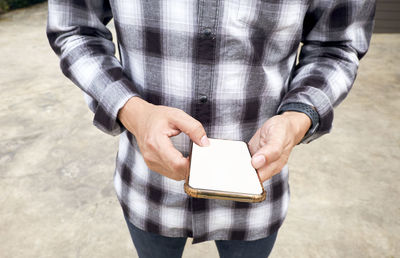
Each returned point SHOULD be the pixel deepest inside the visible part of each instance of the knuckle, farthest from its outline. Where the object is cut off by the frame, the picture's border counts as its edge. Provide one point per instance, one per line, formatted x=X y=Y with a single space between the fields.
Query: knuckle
x=196 y=128
x=276 y=151
x=176 y=112
x=263 y=141
x=147 y=157
x=149 y=142
x=177 y=164
x=264 y=136
x=172 y=111
x=174 y=166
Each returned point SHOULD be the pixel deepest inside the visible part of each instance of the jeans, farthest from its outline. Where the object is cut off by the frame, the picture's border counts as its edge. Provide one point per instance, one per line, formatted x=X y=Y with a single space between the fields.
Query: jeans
x=150 y=245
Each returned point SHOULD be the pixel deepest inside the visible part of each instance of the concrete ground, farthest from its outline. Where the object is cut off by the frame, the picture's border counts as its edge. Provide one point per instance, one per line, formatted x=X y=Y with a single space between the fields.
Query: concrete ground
x=57 y=198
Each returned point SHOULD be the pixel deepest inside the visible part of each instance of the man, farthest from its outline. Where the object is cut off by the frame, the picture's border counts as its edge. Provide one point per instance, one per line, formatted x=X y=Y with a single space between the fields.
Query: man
x=222 y=69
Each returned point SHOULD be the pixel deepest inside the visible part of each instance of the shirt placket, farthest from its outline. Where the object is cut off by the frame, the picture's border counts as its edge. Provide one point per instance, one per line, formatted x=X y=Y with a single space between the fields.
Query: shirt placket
x=205 y=44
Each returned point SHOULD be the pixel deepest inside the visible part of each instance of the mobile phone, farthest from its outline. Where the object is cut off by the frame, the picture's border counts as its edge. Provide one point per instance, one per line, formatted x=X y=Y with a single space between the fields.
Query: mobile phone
x=223 y=170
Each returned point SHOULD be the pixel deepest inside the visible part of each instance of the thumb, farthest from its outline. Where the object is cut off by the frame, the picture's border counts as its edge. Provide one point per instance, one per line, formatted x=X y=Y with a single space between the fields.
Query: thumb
x=192 y=127
x=270 y=152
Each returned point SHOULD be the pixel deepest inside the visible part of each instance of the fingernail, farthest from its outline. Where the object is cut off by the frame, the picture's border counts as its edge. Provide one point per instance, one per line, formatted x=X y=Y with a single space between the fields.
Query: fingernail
x=204 y=141
x=258 y=161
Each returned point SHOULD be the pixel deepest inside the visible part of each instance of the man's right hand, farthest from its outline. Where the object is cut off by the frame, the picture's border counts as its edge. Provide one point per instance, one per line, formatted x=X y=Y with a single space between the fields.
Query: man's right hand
x=152 y=126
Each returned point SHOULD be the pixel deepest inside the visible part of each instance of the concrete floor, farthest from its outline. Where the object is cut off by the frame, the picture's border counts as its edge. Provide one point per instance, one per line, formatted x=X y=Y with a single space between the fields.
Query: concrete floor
x=57 y=199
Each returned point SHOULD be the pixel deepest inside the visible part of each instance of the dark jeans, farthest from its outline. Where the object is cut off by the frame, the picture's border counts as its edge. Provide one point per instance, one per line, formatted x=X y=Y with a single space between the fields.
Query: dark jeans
x=150 y=245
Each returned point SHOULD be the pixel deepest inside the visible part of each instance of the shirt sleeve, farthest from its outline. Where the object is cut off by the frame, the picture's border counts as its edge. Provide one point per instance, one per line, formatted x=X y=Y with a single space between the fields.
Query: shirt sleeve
x=336 y=35
x=77 y=33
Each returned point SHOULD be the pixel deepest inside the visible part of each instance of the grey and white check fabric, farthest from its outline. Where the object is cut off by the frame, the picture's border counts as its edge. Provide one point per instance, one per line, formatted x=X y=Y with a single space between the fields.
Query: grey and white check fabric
x=231 y=64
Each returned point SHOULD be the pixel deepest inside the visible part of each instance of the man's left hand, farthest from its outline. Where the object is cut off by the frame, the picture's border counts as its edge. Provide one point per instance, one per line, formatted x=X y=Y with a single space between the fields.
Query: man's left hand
x=272 y=144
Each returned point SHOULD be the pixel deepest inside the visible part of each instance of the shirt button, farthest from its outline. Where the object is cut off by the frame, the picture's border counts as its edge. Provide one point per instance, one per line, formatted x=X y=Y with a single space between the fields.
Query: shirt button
x=207 y=32
x=203 y=99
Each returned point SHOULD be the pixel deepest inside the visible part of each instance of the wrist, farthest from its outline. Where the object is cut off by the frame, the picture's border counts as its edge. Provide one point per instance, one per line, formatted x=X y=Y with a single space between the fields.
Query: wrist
x=299 y=122
x=132 y=111
x=306 y=109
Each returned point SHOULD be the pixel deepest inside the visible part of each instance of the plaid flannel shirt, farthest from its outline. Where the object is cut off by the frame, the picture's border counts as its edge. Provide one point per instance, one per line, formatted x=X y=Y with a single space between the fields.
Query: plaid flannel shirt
x=231 y=64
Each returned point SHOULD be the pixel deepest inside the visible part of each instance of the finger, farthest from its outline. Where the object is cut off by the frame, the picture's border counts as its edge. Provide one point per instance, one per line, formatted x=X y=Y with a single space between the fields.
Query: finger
x=172 y=132
x=269 y=153
x=263 y=173
x=192 y=127
x=269 y=170
x=172 y=158
x=254 y=142
x=188 y=168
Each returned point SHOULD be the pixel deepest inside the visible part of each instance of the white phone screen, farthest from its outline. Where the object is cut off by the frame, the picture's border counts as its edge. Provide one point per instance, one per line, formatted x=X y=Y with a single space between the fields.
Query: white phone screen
x=224 y=165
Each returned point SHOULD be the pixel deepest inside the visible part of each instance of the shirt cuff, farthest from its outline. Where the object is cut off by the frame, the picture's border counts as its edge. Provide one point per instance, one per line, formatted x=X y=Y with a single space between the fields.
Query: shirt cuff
x=112 y=100
x=309 y=111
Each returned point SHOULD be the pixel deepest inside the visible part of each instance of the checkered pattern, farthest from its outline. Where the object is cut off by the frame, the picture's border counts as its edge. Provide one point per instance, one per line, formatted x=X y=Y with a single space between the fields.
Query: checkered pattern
x=238 y=57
